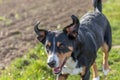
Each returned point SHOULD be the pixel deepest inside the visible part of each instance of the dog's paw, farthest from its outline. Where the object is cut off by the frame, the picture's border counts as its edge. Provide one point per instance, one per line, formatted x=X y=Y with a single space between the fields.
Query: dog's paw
x=105 y=71
x=96 y=78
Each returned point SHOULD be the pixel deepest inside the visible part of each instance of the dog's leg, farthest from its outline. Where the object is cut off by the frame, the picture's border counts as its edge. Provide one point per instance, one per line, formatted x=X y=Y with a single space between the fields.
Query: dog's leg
x=86 y=76
x=62 y=76
x=105 y=58
x=95 y=73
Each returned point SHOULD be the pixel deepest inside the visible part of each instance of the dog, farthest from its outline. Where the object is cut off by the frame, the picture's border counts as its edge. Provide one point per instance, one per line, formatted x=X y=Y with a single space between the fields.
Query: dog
x=73 y=50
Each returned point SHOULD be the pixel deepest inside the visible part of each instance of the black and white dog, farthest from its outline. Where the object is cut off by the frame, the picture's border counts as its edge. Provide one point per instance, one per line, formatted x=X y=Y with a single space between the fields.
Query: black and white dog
x=74 y=49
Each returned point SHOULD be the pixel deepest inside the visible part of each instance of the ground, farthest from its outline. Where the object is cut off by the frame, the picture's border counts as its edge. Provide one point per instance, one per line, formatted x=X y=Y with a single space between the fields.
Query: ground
x=18 y=16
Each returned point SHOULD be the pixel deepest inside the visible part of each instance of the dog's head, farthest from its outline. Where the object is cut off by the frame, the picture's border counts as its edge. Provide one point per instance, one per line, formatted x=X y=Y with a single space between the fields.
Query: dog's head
x=59 y=44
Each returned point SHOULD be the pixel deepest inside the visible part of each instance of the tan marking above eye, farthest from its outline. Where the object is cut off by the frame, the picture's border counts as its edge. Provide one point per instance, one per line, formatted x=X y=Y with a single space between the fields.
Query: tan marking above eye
x=58 y=44
x=70 y=48
x=48 y=44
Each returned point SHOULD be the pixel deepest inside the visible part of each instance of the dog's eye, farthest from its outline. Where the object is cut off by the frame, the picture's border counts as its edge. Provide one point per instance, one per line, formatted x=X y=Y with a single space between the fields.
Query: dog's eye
x=61 y=46
x=47 y=46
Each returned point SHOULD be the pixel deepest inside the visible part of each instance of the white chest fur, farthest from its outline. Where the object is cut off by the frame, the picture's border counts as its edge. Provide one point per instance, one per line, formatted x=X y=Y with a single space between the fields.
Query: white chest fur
x=70 y=67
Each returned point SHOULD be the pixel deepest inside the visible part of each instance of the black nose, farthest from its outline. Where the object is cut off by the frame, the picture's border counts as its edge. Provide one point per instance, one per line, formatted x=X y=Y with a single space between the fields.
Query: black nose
x=52 y=63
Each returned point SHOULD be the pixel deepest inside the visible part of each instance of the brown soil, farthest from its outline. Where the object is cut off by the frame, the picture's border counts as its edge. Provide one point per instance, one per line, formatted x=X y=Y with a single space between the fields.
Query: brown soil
x=17 y=17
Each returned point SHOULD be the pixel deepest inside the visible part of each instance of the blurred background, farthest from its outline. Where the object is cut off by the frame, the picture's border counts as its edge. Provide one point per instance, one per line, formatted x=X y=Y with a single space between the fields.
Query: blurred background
x=18 y=44
x=18 y=16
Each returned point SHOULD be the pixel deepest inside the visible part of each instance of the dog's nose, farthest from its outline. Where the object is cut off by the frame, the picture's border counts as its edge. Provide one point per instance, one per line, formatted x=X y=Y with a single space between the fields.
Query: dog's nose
x=52 y=63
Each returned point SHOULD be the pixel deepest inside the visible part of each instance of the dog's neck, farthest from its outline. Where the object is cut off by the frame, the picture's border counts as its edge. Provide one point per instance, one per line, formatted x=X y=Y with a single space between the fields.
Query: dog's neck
x=71 y=67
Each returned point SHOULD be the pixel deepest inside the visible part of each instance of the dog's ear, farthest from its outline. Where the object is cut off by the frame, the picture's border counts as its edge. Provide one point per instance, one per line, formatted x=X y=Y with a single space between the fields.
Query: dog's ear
x=40 y=32
x=42 y=36
x=72 y=29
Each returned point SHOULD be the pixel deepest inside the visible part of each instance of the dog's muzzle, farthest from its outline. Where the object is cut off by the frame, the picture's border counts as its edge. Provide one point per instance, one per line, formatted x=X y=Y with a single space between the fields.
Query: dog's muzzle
x=57 y=70
x=52 y=64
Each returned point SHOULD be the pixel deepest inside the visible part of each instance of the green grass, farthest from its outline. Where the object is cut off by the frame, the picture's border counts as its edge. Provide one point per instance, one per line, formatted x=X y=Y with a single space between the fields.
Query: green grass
x=32 y=66
x=112 y=11
x=5 y=20
x=1 y=1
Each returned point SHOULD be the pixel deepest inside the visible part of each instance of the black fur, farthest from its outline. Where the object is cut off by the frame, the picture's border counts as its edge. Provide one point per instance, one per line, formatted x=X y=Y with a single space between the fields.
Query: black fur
x=97 y=5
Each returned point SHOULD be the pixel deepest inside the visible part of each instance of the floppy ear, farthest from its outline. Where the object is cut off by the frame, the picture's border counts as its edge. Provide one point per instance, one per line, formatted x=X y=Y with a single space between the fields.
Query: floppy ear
x=72 y=29
x=40 y=32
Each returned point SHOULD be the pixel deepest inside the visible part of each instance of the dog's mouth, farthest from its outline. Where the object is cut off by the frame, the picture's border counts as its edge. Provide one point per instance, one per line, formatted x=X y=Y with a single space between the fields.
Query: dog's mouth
x=57 y=70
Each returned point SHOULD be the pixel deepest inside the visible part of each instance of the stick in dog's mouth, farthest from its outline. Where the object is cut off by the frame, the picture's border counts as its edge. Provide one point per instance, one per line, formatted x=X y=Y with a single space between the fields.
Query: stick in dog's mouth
x=57 y=70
